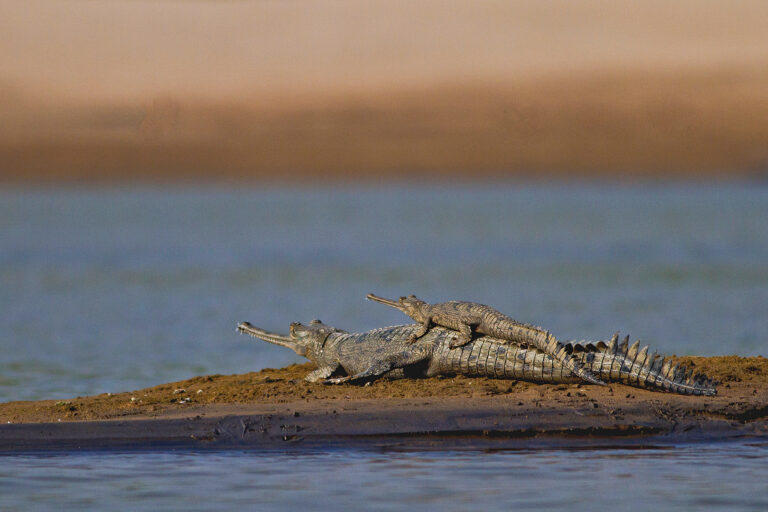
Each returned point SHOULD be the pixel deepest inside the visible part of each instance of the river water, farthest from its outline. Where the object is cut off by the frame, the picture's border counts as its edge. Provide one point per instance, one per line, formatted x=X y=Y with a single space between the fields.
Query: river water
x=114 y=289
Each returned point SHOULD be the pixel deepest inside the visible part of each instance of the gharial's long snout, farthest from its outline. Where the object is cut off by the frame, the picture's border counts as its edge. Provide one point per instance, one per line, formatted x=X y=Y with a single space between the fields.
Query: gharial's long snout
x=382 y=300
x=277 y=339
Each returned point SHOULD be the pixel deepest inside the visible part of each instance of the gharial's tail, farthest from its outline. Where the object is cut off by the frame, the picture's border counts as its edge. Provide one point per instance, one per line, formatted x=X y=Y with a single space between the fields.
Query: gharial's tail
x=547 y=343
x=562 y=354
x=631 y=365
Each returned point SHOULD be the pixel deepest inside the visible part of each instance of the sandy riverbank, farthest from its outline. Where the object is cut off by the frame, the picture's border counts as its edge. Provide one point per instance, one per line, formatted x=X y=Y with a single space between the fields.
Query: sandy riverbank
x=270 y=408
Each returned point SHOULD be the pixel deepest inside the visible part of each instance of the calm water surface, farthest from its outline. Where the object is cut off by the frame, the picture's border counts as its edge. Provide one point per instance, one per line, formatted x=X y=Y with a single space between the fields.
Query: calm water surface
x=713 y=477
x=118 y=289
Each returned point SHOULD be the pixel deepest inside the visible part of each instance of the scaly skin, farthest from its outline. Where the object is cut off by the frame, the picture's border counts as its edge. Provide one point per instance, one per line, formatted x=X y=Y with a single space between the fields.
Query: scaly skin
x=388 y=352
x=469 y=318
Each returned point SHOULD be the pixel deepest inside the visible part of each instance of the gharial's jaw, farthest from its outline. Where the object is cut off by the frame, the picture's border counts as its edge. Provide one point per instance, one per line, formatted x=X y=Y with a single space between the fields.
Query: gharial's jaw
x=391 y=303
x=411 y=306
x=297 y=345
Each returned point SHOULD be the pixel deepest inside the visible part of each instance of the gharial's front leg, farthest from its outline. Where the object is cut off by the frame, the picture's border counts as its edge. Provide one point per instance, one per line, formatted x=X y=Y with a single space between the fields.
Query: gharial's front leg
x=321 y=373
x=376 y=369
x=466 y=330
x=421 y=331
x=381 y=366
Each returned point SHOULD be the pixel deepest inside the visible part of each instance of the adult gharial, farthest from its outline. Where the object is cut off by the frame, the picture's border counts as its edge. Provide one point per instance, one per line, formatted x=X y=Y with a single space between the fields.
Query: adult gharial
x=390 y=352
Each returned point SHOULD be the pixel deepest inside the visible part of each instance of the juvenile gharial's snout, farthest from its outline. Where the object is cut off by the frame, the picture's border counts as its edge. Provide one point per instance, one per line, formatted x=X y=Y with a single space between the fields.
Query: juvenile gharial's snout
x=388 y=302
x=410 y=305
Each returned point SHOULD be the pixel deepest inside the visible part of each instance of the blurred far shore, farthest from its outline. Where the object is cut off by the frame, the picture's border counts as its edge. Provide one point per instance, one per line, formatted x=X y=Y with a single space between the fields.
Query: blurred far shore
x=174 y=90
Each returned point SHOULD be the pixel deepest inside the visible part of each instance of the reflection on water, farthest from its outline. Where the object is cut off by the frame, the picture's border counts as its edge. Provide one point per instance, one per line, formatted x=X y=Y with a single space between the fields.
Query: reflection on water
x=718 y=476
x=117 y=289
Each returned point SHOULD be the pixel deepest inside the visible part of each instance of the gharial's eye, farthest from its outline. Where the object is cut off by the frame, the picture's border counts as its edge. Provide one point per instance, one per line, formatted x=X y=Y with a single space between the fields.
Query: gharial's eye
x=403 y=298
x=316 y=321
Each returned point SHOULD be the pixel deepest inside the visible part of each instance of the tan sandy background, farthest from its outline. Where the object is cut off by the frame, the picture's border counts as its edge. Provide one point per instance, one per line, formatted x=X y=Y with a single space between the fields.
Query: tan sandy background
x=103 y=90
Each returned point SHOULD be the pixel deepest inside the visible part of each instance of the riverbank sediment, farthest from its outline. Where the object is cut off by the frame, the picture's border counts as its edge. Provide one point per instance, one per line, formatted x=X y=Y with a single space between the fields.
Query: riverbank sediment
x=276 y=409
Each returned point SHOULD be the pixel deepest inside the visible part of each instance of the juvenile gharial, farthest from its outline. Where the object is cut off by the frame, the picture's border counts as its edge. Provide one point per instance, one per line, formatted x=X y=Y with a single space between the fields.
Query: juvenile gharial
x=388 y=352
x=470 y=317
